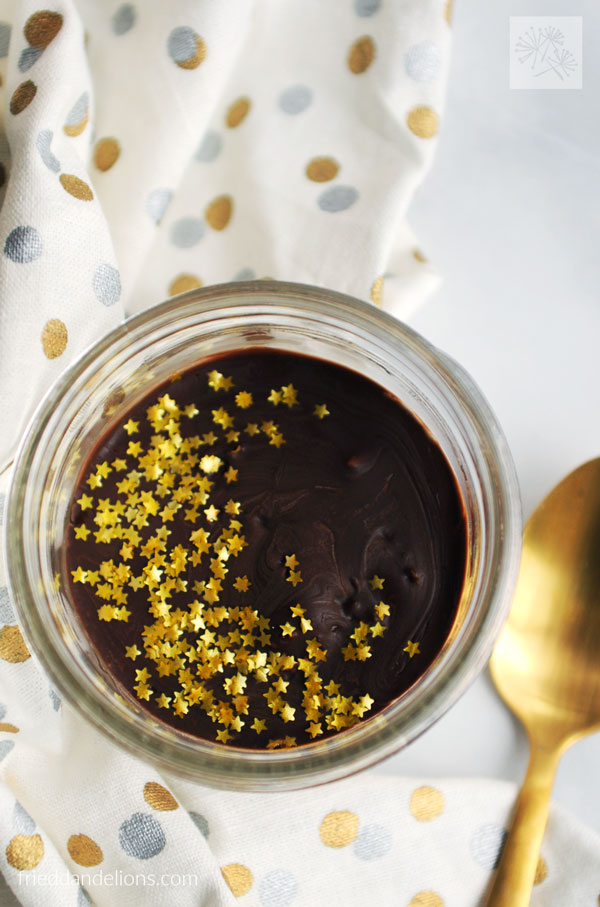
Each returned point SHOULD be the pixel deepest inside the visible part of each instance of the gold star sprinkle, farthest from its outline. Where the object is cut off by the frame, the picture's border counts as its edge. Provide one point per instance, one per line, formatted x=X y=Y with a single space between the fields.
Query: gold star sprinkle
x=223 y=736
x=231 y=475
x=320 y=411
x=382 y=610
x=377 y=630
x=163 y=701
x=85 y=502
x=289 y=395
x=258 y=725
x=291 y=561
x=211 y=513
x=131 y=427
x=287 y=629
x=190 y=411
x=412 y=648
x=210 y=464
x=241 y=584
x=287 y=713
x=294 y=578
x=81 y=532
x=79 y=575
x=274 y=397
x=252 y=429
x=218 y=381
x=297 y=611
x=132 y=652
x=243 y=399
x=376 y=582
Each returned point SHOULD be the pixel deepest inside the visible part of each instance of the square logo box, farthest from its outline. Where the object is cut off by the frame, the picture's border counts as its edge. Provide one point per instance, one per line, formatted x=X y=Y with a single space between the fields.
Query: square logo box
x=546 y=52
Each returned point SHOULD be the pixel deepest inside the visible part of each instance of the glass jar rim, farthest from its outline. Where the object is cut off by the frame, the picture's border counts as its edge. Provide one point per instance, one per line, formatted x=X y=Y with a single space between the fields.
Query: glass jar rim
x=381 y=735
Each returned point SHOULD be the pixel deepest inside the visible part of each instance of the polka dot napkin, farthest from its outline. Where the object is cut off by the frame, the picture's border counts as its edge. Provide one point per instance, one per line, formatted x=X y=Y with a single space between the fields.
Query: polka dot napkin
x=148 y=148
x=145 y=149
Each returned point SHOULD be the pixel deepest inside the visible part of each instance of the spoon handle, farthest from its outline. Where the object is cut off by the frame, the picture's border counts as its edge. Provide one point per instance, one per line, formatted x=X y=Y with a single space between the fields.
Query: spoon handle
x=514 y=878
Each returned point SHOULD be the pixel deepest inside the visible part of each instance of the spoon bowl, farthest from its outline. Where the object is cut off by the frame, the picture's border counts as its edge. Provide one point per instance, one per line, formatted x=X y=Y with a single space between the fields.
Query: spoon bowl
x=546 y=663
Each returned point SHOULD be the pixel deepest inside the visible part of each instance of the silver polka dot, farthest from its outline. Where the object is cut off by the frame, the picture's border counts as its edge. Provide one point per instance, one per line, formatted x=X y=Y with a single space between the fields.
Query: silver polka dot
x=181 y=44
x=2 y=711
x=295 y=99
x=210 y=147
x=423 y=62
x=142 y=836
x=23 y=244
x=54 y=699
x=83 y=898
x=486 y=845
x=107 y=284
x=4 y=38
x=337 y=198
x=28 y=57
x=5 y=748
x=186 y=232
x=157 y=203
x=22 y=821
x=42 y=143
x=278 y=889
x=7 y=614
x=372 y=843
x=245 y=274
x=366 y=7
x=78 y=111
x=201 y=823
x=123 y=19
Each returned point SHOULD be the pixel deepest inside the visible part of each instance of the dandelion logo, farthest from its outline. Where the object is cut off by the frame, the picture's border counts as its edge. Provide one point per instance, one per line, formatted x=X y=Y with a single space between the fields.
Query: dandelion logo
x=545 y=53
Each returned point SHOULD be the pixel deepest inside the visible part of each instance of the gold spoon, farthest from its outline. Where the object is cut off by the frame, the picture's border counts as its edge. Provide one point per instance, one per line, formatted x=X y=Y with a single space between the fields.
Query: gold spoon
x=546 y=664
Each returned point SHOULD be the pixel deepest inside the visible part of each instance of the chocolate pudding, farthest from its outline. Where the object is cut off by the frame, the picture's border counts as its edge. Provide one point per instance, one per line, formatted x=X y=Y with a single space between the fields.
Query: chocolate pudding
x=266 y=550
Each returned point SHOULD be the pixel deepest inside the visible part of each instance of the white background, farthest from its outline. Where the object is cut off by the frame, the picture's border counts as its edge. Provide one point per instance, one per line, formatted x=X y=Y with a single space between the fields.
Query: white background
x=510 y=215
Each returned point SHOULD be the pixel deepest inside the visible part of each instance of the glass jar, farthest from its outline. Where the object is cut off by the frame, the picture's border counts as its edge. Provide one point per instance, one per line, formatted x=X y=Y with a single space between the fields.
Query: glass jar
x=120 y=370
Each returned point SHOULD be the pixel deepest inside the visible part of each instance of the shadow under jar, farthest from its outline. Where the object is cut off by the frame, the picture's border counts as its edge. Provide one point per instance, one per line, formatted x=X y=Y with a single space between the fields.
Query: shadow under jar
x=264 y=535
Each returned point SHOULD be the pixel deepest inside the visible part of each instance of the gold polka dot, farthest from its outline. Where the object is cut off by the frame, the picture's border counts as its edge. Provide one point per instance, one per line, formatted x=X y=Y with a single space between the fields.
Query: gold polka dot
x=84 y=851
x=218 y=213
x=427 y=899
x=426 y=803
x=76 y=187
x=338 y=829
x=541 y=871
x=423 y=121
x=237 y=112
x=9 y=728
x=184 y=282
x=159 y=798
x=25 y=851
x=418 y=255
x=12 y=645
x=377 y=291
x=197 y=58
x=54 y=338
x=41 y=28
x=74 y=129
x=361 y=54
x=448 y=12
x=23 y=96
x=322 y=169
x=238 y=877
x=106 y=153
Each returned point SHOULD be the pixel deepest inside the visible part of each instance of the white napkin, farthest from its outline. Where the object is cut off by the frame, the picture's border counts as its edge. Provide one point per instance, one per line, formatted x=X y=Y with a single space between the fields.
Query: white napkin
x=146 y=148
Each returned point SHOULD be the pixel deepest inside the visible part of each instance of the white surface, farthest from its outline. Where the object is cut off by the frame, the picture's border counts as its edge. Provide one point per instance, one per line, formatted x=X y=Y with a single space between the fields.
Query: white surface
x=510 y=215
